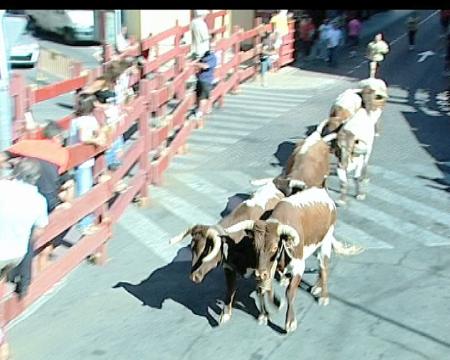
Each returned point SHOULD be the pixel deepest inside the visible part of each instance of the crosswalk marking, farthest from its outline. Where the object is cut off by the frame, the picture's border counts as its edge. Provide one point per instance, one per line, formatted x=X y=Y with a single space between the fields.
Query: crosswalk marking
x=268 y=93
x=348 y=233
x=213 y=139
x=403 y=228
x=265 y=102
x=217 y=123
x=230 y=132
x=414 y=206
x=255 y=112
x=183 y=209
x=243 y=117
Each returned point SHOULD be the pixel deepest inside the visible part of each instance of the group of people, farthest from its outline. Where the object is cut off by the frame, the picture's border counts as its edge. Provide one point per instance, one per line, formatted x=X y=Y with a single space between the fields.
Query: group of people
x=323 y=41
x=35 y=179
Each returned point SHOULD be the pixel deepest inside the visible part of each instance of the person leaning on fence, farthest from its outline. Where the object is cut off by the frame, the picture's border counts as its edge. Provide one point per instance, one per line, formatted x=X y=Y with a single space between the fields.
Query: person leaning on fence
x=199 y=34
x=412 y=24
x=376 y=51
x=280 y=23
x=85 y=128
x=205 y=78
x=23 y=216
x=269 y=53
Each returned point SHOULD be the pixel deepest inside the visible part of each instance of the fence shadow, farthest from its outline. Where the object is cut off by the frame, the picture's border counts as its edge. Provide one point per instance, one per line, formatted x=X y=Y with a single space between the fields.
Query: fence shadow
x=171 y=282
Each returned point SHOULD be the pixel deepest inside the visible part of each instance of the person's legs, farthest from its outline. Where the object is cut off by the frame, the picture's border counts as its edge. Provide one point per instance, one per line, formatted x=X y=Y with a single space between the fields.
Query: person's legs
x=372 y=68
x=264 y=68
x=112 y=154
x=84 y=181
x=21 y=274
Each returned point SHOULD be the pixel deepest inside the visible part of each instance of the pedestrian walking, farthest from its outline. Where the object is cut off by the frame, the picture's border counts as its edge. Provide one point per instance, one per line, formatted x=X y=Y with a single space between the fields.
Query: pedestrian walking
x=354 y=31
x=320 y=46
x=334 y=39
x=376 y=51
x=412 y=24
x=307 y=32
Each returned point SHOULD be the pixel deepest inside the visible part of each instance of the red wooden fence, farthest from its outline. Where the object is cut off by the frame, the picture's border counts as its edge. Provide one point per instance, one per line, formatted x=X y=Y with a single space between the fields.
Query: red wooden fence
x=148 y=153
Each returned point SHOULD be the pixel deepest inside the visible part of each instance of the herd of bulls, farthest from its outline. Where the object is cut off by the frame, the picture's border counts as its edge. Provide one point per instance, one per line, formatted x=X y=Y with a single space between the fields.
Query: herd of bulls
x=291 y=217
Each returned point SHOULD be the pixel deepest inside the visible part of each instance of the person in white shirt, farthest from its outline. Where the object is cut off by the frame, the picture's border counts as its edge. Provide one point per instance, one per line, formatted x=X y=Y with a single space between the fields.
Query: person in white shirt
x=334 y=38
x=23 y=213
x=200 y=34
x=320 y=47
x=122 y=42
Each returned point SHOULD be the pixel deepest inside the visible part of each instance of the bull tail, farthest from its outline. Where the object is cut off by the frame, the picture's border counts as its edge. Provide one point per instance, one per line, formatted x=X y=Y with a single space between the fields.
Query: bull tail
x=260 y=182
x=346 y=249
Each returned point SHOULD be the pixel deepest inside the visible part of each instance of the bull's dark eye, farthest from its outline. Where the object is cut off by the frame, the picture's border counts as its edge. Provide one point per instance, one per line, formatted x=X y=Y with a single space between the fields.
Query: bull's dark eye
x=379 y=97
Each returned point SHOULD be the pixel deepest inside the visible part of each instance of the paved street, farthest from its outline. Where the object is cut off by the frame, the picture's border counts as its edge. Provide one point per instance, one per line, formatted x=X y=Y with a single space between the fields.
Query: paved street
x=390 y=302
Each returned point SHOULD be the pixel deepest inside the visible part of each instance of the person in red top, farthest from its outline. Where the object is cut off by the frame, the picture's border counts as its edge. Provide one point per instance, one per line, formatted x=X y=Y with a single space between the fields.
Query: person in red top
x=307 y=31
x=354 y=30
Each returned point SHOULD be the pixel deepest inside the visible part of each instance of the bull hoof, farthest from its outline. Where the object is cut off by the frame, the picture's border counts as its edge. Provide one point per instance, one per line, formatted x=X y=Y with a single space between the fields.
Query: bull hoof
x=284 y=281
x=262 y=319
x=361 y=197
x=291 y=326
x=224 y=317
x=324 y=301
x=316 y=290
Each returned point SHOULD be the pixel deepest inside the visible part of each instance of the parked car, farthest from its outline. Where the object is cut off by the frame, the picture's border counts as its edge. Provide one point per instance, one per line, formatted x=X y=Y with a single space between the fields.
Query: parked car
x=25 y=51
x=72 y=25
x=23 y=48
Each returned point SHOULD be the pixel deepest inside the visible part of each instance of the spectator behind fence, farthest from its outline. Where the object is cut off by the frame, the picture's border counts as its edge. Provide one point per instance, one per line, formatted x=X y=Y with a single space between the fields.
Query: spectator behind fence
x=270 y=53
x=200 y=34
x=205 y=77
x=122 y=42
x=354 y=31
x=334 y=39
x=320 y=47
x=280 y=23
x=376 y=51
x=412 y=24
x=23 y=216
x=85 y=128
x=307 y=34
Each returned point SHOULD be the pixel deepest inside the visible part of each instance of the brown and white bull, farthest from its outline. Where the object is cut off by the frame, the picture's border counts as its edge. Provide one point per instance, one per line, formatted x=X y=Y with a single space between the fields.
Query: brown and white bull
x=299 y=226
x=211 y=246
x=307 y=166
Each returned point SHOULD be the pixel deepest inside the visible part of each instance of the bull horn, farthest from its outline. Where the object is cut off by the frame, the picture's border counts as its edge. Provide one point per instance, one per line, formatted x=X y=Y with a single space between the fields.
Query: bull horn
x=294 y=183
x=284 y=229
x=329 y=137
x=260 y=182
x=321 y=126
x=214 y=235
x=219 y=229
x=180 y=237
x=242 y=225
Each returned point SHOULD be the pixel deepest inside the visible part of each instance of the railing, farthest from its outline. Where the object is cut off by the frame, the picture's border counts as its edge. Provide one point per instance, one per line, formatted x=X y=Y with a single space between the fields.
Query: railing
x=156 y=119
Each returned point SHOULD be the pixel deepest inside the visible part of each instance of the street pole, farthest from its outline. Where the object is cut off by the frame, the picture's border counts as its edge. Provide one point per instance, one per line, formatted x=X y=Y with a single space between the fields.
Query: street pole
x=5 y=98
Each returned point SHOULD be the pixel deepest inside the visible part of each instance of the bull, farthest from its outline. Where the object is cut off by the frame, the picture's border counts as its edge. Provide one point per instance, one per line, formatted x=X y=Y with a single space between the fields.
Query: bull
x=299 y=226
x=211 y=246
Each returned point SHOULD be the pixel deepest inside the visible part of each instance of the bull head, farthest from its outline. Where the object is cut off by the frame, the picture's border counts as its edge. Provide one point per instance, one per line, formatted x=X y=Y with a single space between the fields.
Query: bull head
x=293 y=239
x=202 y=235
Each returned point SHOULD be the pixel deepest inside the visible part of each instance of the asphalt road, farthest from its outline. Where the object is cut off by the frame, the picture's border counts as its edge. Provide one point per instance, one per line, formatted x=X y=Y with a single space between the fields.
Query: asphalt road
x=390 y=302
x=61 y=106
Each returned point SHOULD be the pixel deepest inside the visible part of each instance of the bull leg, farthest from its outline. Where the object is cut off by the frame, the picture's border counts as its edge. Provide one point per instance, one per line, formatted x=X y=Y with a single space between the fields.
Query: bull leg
x=359 y=173
x=342 y=174
x=263 y=313
x=291 y=292
x=230 y=277
x=321 y=287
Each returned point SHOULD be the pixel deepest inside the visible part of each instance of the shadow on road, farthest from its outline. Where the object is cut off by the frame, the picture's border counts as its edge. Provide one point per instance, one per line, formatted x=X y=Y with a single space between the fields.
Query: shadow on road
x=171 y=282
x=233 y=202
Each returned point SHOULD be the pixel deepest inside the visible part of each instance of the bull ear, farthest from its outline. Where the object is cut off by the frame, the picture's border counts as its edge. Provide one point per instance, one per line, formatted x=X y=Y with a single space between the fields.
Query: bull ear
x=181 y=236
x=293 y=236
x=242 y=225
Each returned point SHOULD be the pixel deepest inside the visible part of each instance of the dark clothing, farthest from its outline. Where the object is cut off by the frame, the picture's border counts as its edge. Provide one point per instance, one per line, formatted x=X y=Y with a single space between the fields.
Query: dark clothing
x=203 y=90
x=412 y=37
x=50 y=182
x=207 y=75
x=105 y=96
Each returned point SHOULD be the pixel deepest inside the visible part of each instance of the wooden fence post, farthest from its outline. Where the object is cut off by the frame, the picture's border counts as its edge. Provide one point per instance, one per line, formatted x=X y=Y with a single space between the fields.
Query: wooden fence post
x=237 y=57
